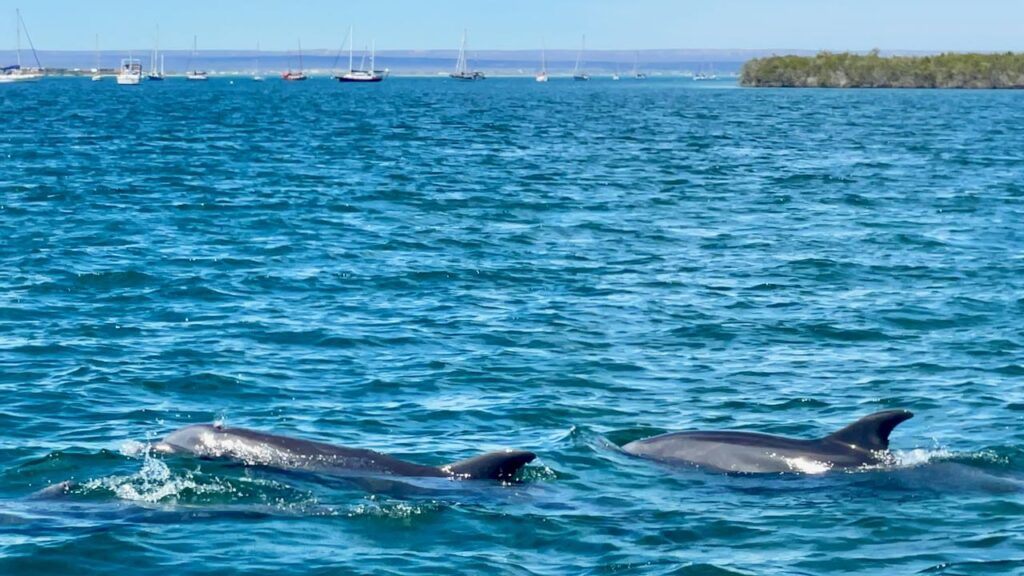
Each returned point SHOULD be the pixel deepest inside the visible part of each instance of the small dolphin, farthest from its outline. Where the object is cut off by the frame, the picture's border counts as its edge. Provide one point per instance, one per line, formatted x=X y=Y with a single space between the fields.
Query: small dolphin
x=863 y=443
x=262 y=449
x=55 y=490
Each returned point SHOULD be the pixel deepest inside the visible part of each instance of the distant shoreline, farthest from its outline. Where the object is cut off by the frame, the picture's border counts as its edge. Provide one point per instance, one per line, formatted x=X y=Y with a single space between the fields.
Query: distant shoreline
x=403 y=61
x=329 y=75
x=846 y=70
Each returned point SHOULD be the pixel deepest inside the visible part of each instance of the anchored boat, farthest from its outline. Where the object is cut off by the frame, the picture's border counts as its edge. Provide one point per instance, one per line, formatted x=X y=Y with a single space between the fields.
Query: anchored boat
x=156 y=73
x=194 y=74
x=542 y=76
x=257 y=77
x=361 y=74
x=295 y=76
x=16 y=72
x=130 y=73
x=578 y=72
x=462 y=71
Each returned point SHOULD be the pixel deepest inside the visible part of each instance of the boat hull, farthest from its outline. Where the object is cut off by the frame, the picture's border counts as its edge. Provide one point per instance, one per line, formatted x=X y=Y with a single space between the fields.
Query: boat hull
x=357 y=79
x=468 y=76
x=20 y=77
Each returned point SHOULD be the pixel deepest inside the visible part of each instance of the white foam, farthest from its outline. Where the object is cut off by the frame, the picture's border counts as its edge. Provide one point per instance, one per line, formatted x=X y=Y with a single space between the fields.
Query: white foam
x=393 y=510
x=919 y=456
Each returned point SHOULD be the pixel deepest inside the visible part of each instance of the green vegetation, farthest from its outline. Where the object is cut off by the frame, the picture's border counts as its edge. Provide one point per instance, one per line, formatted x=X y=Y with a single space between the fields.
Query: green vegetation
x=845 y=70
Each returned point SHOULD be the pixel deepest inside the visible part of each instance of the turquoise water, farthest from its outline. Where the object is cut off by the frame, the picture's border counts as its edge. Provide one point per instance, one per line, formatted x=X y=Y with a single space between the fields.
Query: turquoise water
x=434 y=269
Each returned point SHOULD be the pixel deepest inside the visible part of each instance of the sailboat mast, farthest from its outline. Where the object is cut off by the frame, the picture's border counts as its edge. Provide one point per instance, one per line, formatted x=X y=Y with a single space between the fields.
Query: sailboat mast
x=35 y=55
x=350 y=49
x=17 y=14
x=579 y=56
x=156 y=50
x=543 y=56
x=300 y=56
x=461 y=66
x=373 y=53
x=583 y=48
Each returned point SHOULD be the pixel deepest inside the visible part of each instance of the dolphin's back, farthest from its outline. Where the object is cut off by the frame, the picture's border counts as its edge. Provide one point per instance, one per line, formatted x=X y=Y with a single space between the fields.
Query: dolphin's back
x=257 y=448
x=296 y=453
x=858 y=444
x=728 y=451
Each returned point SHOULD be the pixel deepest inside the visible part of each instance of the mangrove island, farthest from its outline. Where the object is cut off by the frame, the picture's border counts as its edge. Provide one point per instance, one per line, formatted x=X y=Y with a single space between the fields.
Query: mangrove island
x=846 y=70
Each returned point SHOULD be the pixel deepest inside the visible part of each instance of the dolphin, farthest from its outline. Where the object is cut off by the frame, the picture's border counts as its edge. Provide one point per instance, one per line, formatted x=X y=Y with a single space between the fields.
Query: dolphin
x=262 y=449
x=863 y=443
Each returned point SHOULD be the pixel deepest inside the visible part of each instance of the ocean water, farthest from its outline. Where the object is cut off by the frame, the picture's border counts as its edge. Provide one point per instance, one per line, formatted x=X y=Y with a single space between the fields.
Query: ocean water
x=434 y=269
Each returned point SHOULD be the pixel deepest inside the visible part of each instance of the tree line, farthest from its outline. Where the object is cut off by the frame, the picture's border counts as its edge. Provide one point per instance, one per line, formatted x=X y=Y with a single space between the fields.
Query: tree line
x=846 y=70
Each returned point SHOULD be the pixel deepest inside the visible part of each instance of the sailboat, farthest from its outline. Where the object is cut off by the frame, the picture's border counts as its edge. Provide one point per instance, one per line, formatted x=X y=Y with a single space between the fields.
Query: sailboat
x=542 y=76
x=96 y=76
x=15 y=72
x=361 y=75
x=154 y=72
x=702 y=75
x=130 y=73
x=462 y=67
x=295 y=76
x=577 y=72
x=256 y=77
x=195 y=75
x=637 y=74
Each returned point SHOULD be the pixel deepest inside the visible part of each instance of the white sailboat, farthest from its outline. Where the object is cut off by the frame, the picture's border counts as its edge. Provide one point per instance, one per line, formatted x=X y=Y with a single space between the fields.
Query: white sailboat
x=578 y=73
x=96 y=76
x=542 y=76
x=156 y=73
x=130 y=73
x=16 y=72
x=362 y=75
x=257 y=77
x=195 y=74
x=462 y=71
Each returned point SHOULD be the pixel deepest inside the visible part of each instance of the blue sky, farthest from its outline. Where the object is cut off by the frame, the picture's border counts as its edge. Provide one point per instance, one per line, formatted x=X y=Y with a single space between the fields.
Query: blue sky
x=518 y=24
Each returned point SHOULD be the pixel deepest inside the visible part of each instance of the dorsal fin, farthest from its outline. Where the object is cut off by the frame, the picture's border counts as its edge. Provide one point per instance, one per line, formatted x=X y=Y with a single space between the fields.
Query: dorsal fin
x=872 y=432
x=491 y=466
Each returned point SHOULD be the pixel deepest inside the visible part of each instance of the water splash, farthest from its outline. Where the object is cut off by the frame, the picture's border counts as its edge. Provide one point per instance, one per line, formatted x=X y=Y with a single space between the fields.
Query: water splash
x=920 y=456
x=134 y=448
x=154 y=482
x=393 y=510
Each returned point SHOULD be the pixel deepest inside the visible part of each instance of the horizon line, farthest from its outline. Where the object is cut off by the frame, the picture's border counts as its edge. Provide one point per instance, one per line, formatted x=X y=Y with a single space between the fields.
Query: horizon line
x=528 y=50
